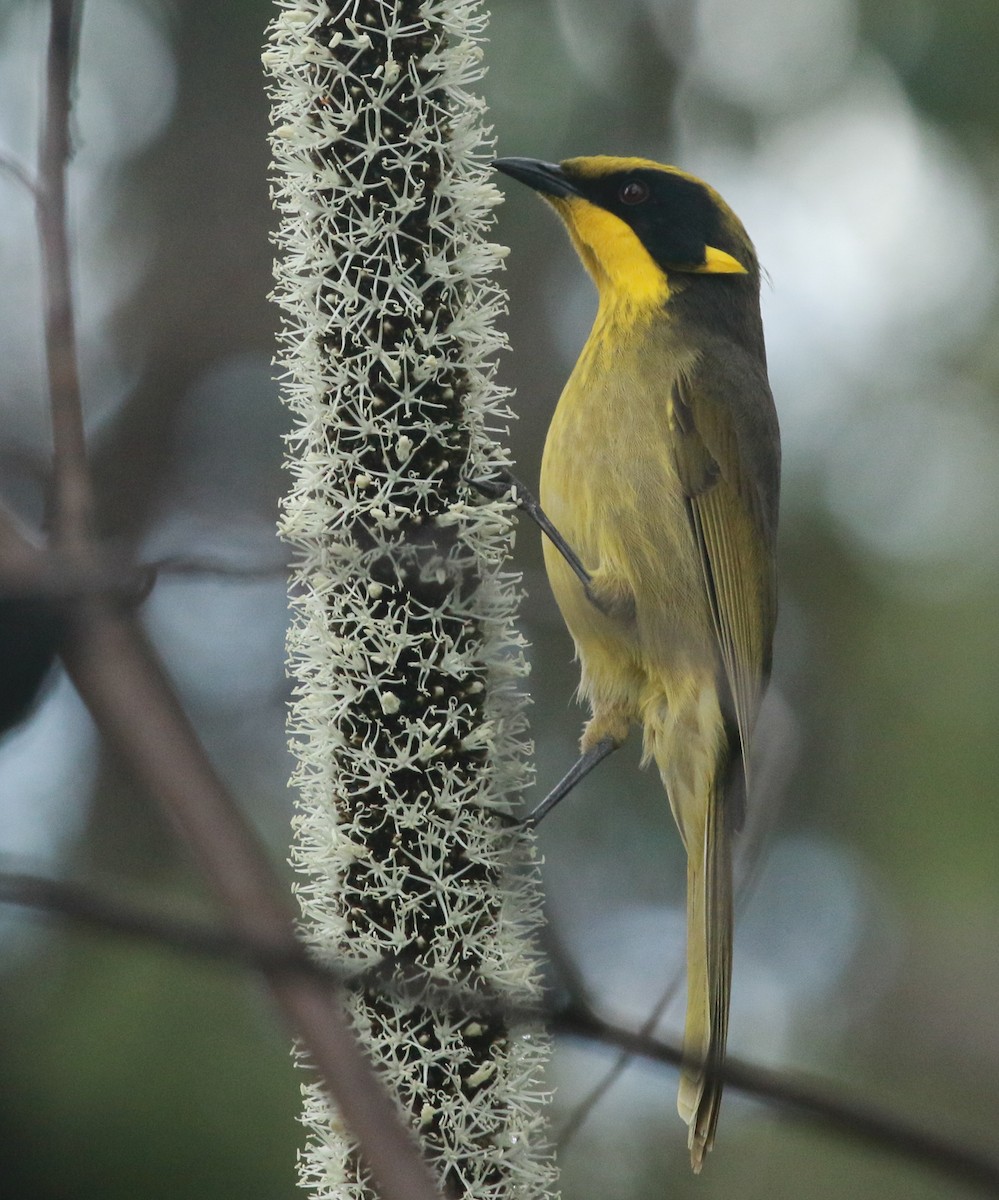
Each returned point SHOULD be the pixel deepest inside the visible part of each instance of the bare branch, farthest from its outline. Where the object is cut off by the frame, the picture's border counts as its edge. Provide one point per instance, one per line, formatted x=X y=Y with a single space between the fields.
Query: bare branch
x=86 y=907
x=805 y=1101
x=72 y=500
x=802 y=1100
x=48 y=577
x=581 y=1113
x=19 y=173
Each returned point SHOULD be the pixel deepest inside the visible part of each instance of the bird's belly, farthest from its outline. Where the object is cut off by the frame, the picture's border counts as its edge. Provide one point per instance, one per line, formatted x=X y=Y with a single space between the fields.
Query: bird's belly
x=609 y=484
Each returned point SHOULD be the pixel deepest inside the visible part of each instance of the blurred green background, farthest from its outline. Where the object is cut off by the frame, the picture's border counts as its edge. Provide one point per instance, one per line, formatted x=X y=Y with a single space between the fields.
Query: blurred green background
x=859 y=141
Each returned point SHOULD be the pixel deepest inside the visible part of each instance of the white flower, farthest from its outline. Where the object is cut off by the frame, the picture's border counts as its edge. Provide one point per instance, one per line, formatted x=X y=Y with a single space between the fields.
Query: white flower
x=408 y=724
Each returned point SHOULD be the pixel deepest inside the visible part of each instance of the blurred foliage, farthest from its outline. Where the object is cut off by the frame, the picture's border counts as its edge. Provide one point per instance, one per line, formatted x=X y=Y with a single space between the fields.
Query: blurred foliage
x=130 y=1073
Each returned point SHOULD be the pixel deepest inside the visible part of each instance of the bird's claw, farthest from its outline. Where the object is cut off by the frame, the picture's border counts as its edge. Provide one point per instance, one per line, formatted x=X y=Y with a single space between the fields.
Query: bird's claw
x=493 y=488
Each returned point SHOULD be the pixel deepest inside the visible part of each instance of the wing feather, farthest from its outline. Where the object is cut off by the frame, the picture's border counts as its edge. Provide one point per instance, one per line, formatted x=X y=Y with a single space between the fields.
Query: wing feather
x=727 y=509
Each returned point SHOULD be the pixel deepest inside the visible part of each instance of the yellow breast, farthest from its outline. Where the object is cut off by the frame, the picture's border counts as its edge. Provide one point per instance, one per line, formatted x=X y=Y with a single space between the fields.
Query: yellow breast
x=609 y=483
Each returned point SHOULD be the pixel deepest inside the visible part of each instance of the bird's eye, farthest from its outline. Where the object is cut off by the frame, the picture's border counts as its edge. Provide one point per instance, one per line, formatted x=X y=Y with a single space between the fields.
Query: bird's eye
x=634 y=192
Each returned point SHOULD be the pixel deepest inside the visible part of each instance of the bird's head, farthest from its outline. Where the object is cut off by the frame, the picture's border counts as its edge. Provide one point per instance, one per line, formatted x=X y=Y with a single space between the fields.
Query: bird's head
x=643 y=230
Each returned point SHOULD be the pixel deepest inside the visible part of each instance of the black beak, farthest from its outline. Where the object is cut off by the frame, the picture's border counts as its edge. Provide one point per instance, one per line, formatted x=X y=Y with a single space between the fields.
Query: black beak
x=547 y=178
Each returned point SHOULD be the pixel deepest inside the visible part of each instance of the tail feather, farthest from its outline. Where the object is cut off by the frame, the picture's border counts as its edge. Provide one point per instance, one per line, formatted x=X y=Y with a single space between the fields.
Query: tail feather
x=709 y=976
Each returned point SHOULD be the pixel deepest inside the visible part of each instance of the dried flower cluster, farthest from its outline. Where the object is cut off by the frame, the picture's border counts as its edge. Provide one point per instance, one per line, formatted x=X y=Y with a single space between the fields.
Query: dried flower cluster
x=408 y=723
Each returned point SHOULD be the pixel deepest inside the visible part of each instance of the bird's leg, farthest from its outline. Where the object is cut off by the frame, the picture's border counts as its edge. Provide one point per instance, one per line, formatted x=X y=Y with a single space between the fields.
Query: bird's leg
x=607 y=598
x=505 y=483
x=579 y=770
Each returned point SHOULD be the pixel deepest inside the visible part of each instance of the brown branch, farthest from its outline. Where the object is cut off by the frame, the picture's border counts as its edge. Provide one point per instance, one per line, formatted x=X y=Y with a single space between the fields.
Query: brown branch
x=72 y=502
x=30 y=572
x=87 y=907
x=805 y=1101
x=128 y=694
x=800 y=1099
x=33 y=573
x=585 y=1107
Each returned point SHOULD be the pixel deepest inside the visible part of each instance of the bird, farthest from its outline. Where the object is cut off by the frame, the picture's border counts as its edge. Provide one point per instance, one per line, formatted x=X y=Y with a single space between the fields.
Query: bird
x=661 y=474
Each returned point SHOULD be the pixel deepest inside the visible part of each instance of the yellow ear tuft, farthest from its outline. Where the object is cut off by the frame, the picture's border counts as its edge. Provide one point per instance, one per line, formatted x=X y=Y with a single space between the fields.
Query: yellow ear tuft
x=717 y=262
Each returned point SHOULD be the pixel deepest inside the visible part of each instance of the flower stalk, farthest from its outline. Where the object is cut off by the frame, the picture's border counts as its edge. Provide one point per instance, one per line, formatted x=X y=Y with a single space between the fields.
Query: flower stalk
x=408 y=722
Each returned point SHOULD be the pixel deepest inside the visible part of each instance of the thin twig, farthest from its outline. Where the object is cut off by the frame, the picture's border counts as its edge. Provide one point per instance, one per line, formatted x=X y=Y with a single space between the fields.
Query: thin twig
x=72 y=502
x=49 y=577
x=582 y=1110
x=204 y=565
x=800 y=1099
x=19 y=173
x=87 y=907
x=30 y=572
x=805 y=1101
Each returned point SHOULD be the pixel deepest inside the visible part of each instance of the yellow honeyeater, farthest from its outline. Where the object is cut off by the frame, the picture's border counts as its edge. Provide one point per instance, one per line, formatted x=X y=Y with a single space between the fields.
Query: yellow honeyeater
x=661 y=471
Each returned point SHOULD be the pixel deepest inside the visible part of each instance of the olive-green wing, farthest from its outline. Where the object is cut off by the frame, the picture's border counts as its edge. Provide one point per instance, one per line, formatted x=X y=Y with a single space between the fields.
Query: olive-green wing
x=729 y=475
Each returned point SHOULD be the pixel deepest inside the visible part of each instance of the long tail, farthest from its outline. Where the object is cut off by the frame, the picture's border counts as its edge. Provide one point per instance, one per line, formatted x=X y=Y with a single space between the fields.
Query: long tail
x=709 y=972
